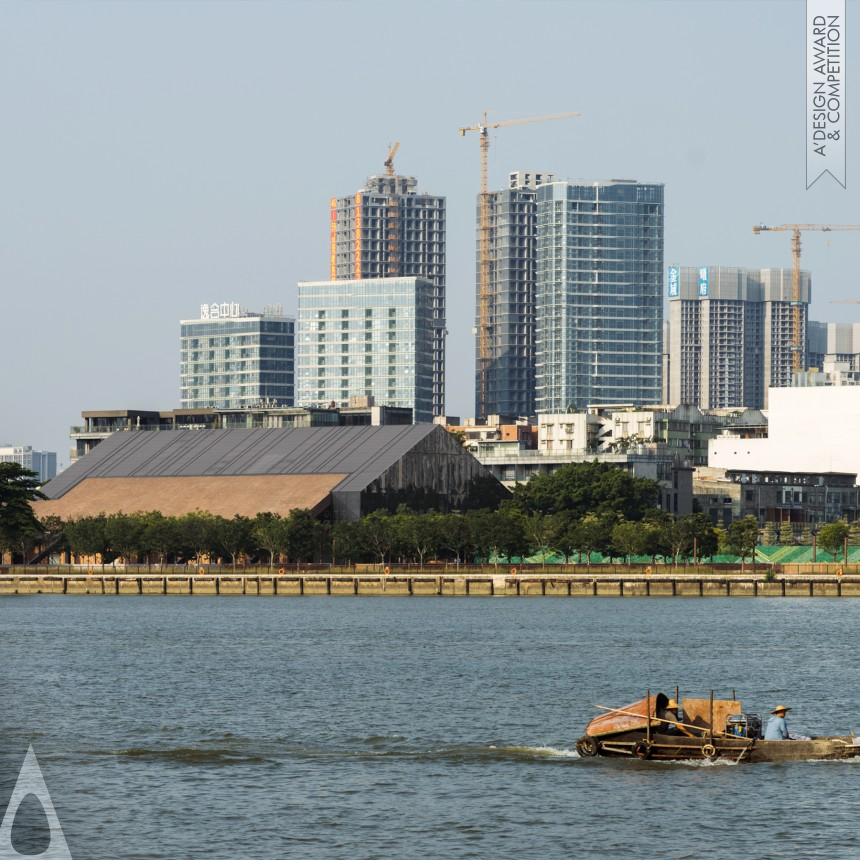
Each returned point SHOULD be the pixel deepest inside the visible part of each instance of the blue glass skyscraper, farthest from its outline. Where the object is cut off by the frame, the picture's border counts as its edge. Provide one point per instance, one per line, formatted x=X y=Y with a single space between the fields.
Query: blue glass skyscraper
x=598 y=298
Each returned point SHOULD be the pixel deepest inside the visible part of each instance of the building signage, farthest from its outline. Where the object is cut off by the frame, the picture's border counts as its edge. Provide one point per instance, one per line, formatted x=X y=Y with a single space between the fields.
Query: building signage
x=703 y=282
x=217 y=311
x=673 y=282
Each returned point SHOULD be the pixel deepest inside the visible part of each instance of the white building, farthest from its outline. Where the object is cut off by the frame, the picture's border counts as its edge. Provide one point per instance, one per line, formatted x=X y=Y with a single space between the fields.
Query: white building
x=43 y=463
x=814 y=429
x=367 y=337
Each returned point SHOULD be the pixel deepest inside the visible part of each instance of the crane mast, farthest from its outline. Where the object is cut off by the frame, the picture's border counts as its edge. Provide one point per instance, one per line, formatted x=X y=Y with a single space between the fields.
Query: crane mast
x=392 y=217
x=484 y=291
x=796 y=304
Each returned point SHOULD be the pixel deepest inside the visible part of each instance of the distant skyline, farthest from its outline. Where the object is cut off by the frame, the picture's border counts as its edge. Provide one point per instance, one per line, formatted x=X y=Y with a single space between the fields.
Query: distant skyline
x=159 y=156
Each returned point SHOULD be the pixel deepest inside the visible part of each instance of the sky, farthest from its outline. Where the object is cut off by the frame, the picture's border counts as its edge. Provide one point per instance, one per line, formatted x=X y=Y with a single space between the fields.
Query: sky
x=156 y=156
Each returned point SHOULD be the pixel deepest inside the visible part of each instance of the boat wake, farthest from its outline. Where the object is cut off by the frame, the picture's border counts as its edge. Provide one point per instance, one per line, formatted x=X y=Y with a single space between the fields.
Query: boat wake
x=536 y=752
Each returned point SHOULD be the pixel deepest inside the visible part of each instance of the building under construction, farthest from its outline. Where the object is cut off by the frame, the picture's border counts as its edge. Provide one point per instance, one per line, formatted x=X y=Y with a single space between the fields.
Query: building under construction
x=731 y=334
x=510 y=335
x=390 y=230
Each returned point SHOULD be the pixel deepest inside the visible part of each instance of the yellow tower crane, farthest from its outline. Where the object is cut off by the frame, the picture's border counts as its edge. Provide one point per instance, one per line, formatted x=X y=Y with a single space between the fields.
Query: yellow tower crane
x=796 y=230
x=393 y=217
x=484 y=294
x=389 y=161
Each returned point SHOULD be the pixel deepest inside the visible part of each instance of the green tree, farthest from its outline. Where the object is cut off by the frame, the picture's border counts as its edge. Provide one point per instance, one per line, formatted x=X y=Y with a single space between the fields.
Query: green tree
x=786 y=533
x=832 y=537
x=19 y=528
x=540 y=531
x=87 y=537
x=267 y=534
x=769 y=536
x=593 y=533
x=562 y=535
x=583 y=488
x=485 y=534
x=628 y=539
x=346 y=541
x=234 y=537
x=511 y=530
x=378 y=534
x=854 y=533
x=300 y=535
x=456 y=536
x=198 y=534
x=806 y=535
x=743 y=537
x=421 y=534
x=124 y=534
x=705 y=534
x=160 y=535
x=657 y=527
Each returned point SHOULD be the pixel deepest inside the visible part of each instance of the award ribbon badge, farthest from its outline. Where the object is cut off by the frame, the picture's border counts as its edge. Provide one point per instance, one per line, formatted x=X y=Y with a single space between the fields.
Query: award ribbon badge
x=825 y=90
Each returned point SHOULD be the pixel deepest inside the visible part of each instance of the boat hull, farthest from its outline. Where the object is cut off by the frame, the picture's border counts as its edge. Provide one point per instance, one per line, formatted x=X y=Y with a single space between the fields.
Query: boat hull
x=662 y=747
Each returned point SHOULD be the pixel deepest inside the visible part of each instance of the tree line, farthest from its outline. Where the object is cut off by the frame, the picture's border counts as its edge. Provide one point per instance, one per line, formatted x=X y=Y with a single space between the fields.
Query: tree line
x=571 y=514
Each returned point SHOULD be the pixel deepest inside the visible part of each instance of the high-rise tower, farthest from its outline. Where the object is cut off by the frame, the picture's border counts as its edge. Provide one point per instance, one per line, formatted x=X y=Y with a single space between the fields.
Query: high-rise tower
x=598 y=295
x=510 y=341
x=731 y=334
x=390 y=230
x=231 y=358
x=366 y=337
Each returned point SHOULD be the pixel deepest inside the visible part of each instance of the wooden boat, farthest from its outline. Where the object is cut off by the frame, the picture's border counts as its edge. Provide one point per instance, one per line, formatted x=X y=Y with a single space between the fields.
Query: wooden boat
x=709 y=729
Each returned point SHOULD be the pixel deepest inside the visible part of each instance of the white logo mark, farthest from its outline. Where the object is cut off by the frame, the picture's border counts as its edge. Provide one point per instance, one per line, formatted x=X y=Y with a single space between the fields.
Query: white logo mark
x=31 y=781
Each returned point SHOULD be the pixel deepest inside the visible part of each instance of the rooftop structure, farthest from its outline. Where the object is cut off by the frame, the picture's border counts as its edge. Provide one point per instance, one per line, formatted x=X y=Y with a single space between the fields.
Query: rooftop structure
x=100 y=424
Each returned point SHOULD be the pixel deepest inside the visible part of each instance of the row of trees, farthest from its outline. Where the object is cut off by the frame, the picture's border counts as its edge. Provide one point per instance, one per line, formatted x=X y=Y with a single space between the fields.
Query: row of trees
x=509 y=533
x=575 y=512
x=831 y=537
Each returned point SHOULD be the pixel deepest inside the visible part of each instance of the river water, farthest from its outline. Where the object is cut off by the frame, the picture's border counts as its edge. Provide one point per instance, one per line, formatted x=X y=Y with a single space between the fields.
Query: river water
x=424 y=727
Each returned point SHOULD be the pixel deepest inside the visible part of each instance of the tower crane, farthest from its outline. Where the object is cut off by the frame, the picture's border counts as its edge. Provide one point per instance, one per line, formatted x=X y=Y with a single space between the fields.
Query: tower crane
x=484 y=295
x=796 y=230
x=389 y=161
x=392 y=216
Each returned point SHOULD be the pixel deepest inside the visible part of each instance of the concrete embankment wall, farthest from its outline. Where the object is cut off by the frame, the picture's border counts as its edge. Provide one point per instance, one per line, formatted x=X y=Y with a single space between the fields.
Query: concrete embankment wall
x=448 y=585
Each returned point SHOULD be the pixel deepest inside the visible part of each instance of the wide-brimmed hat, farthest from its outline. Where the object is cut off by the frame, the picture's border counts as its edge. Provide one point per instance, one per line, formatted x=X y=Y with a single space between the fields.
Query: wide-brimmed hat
x=780 y=708
x=672 y=704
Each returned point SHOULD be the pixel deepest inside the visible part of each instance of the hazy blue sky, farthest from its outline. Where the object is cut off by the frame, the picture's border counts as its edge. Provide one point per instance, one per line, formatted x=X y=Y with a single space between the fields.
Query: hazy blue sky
x=160 y=155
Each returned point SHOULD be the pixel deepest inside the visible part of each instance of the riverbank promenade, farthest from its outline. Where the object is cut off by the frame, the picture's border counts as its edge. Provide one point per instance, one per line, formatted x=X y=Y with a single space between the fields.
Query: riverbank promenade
x=820 y=580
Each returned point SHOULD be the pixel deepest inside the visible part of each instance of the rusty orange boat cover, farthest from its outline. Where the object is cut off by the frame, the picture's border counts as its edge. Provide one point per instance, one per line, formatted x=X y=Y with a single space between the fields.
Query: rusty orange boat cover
x=626 y=719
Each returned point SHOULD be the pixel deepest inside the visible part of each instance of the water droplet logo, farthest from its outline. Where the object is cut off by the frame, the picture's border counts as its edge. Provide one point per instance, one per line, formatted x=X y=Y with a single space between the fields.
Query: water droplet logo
x=31 y=781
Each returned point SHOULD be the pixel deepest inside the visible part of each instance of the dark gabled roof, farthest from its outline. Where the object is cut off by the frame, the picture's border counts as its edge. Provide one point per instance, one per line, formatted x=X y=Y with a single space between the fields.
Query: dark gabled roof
x=360 y=453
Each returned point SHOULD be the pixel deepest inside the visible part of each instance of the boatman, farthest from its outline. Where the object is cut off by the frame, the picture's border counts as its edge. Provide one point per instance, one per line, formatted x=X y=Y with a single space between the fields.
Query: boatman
x=777 y=729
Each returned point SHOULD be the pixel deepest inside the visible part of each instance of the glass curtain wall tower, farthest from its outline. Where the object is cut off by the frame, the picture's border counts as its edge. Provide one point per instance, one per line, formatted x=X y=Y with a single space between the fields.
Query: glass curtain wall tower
x=230 y=358
x=367 y=338
x=389 y=230
x=598 y=299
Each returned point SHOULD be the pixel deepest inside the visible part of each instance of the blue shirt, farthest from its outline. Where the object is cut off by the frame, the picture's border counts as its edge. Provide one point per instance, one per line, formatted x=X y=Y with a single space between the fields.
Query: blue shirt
x=777 y=730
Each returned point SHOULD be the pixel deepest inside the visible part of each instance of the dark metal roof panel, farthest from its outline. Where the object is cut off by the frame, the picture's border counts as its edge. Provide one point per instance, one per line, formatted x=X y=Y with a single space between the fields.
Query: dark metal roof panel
x=362 y=453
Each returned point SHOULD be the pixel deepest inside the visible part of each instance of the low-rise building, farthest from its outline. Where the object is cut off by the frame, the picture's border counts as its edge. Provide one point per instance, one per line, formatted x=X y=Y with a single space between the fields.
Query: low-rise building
x=362 y=412
x=799 y=498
